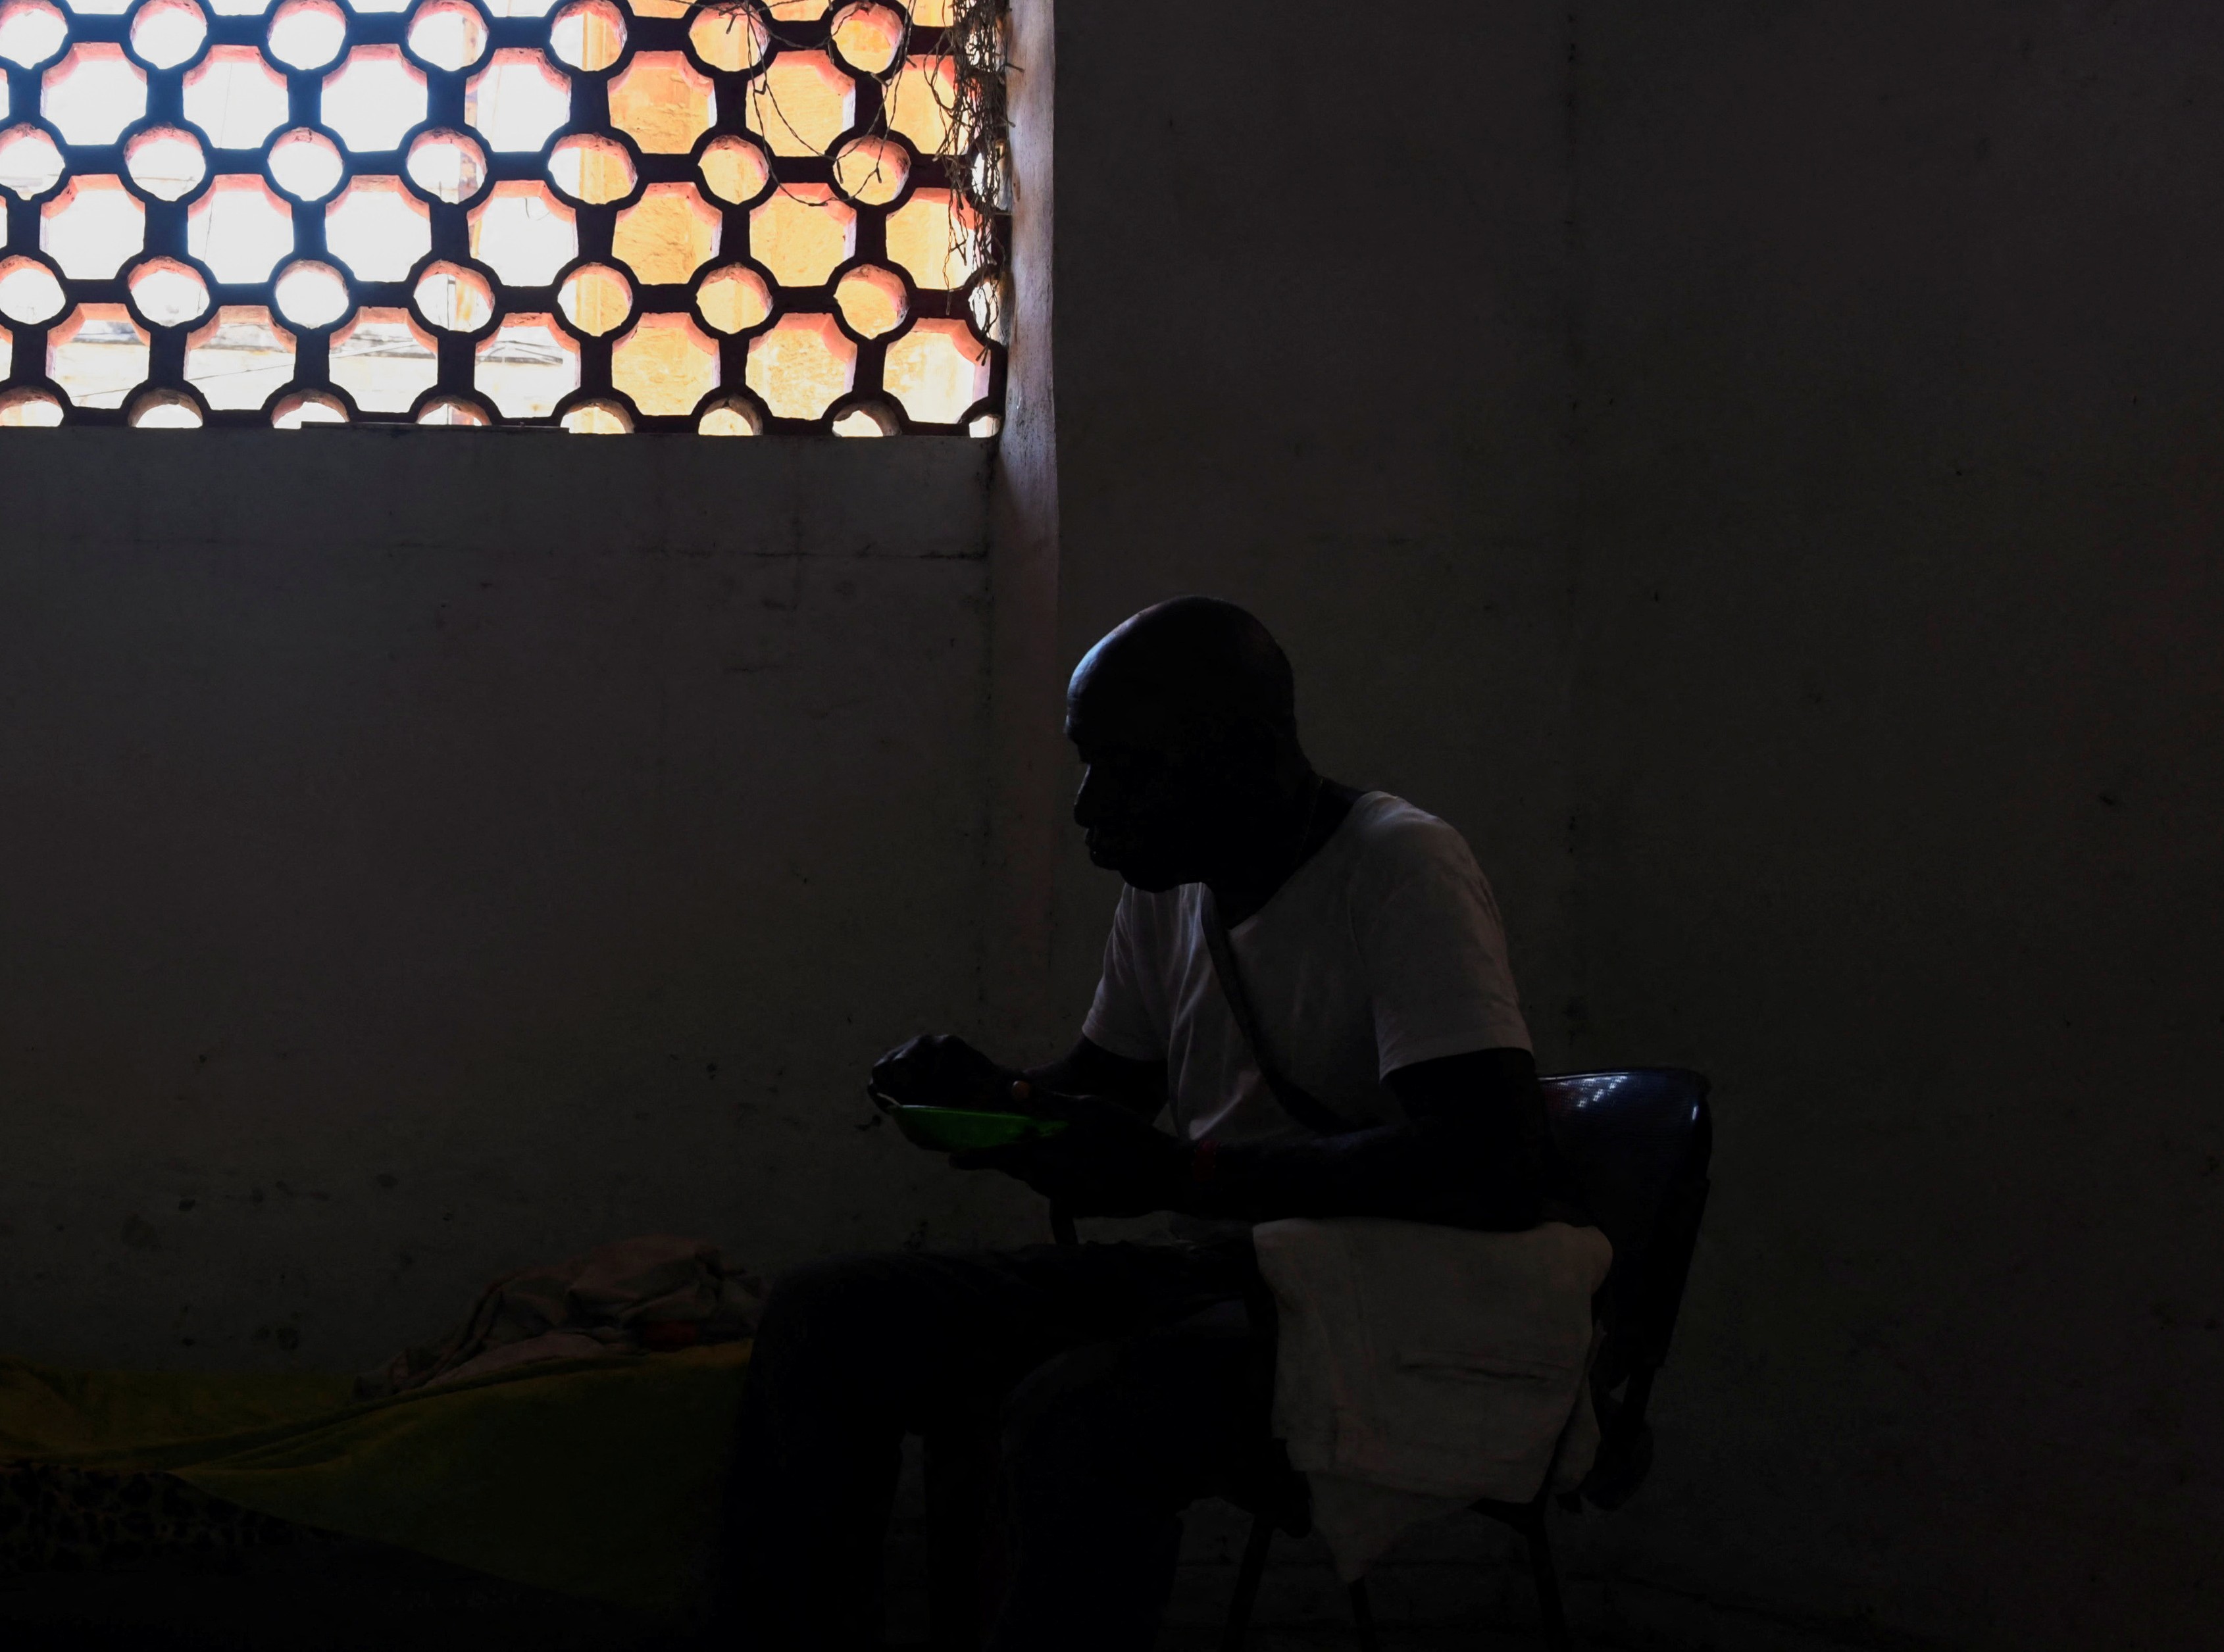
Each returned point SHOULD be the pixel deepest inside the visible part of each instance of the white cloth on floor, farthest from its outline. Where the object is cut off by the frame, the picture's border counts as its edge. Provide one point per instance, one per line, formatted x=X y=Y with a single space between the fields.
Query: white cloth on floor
x=1420 y=1368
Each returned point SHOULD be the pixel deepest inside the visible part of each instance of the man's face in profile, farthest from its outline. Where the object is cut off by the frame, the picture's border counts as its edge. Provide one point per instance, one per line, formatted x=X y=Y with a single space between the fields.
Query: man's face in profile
x=1179 y=717
x=1143 y=809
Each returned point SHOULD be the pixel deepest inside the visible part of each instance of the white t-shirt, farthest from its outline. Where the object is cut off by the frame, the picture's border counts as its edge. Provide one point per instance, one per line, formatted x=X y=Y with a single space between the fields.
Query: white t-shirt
x=1383 y=949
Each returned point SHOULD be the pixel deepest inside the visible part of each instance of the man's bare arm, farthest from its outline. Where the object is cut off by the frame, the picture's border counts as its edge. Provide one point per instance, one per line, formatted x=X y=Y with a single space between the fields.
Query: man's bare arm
x=1092 y=1069
x=1474 y=1153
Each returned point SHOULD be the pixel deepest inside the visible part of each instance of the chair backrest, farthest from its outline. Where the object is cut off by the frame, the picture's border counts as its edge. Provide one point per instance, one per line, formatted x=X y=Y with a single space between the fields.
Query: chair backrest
x=1638 y=1142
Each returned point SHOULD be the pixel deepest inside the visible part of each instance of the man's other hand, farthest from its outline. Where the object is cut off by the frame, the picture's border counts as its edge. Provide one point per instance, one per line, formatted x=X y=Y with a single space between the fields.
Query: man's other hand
x=940 y=1071
x=1107 y=1161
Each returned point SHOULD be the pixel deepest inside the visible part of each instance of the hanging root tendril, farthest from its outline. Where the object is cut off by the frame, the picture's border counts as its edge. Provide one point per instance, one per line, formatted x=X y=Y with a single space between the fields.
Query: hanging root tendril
x=976 y=152
x=979 y=154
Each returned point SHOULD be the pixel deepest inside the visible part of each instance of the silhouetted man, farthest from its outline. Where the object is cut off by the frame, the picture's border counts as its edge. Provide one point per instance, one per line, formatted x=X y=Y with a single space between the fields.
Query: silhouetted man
x=1113 y=1384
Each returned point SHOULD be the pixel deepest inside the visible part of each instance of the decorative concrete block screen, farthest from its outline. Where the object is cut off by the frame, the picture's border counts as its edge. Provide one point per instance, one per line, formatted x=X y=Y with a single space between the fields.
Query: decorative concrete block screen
x=728 y=217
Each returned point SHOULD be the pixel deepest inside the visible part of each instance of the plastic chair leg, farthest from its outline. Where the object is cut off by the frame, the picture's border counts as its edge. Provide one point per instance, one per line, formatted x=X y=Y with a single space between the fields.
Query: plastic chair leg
x=1247 y=1584
x=1362 y=1617
x=1549 y=1610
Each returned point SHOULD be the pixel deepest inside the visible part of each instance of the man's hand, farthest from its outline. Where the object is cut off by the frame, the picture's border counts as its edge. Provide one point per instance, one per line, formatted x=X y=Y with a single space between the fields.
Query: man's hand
x=1107 y=1161
x=940 y=1071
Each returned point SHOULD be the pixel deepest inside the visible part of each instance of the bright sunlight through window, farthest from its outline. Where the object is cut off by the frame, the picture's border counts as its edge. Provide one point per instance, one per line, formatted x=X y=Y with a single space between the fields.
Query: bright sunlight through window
x=600 y=215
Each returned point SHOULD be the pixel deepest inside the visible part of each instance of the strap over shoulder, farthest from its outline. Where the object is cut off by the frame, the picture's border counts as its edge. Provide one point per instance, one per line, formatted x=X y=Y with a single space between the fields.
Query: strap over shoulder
x=1305 y=1109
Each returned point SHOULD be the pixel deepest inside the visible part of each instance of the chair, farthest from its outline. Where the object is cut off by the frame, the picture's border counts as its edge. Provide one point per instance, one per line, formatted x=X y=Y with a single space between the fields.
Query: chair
x=1638 y=1142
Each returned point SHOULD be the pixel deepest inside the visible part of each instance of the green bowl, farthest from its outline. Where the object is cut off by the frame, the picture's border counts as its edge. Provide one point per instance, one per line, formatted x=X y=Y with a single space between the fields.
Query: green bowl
x=958 y=1130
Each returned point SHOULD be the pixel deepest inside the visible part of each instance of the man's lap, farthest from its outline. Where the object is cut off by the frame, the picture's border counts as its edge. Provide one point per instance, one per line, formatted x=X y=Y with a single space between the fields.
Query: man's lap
x=945 y=1336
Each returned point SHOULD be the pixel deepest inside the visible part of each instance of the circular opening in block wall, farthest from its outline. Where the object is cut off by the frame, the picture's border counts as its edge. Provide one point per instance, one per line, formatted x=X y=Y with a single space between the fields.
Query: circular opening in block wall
x=166 y=33
x=592 y=170
x=454 y=298
x=165 y=410
x=307 y=34
x=449 y=166
x=308 y=407
x=165 y=162
x=306 y=165
x=311 y=295
x=169 y=293
x=448 y=34
x=989 y=303
x=28 y=291
x=730 y=419
x=29 y=407
x=731 y=38
x=866 y=420
x=733 y=300
x=589 y=35
x=453 y=410
x=873 y=301
x=31 y=31
x=734 y=169
x=596 y=418
x=872 y=170
x=596 y=299
x=868 y=36
x=30 y=165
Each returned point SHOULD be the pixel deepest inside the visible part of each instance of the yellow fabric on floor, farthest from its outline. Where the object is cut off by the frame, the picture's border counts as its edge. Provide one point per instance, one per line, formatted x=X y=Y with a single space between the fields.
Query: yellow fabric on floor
x=597 y=1477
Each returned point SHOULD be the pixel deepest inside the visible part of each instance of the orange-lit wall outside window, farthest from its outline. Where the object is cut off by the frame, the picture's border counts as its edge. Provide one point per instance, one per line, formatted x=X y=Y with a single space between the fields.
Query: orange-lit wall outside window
x=600 y=215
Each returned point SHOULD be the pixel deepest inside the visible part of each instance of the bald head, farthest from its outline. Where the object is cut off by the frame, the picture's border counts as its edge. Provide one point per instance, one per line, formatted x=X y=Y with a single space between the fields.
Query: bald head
x=1185 y=718
x=1185 y=675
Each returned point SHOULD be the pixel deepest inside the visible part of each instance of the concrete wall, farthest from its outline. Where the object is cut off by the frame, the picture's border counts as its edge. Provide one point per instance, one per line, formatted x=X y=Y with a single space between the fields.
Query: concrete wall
x=1313 y=356
x=1902 y=736
x=1754 y=467
x=429 y=854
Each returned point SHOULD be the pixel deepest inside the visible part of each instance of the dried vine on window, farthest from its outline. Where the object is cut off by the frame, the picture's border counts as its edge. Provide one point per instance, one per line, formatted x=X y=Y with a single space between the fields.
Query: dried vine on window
x=979 y=161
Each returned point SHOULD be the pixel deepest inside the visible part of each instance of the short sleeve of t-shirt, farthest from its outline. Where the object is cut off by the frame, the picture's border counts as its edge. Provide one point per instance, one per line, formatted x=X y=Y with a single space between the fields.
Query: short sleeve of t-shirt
x=1433 y=950
x=1128 y=1016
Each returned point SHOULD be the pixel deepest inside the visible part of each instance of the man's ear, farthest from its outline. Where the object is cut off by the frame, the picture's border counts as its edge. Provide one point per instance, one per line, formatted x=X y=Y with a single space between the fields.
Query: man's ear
x=1242 y=767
